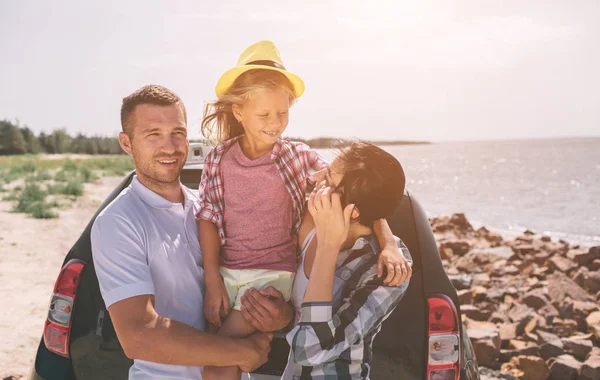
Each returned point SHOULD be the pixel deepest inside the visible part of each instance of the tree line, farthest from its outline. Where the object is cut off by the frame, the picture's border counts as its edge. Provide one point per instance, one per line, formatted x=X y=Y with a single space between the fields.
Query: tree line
x=17 y=139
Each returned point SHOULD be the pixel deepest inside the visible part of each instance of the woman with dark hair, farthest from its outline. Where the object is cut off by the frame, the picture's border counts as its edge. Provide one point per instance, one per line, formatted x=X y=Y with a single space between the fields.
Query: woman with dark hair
x=339 y=299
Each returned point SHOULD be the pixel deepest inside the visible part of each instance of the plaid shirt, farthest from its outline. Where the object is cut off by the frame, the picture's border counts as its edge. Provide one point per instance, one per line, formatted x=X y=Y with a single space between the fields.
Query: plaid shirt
x=333 y=340
x=295 y=162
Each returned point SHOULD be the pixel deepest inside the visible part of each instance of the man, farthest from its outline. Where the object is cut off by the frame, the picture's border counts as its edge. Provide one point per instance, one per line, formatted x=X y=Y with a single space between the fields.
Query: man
x=147 y=255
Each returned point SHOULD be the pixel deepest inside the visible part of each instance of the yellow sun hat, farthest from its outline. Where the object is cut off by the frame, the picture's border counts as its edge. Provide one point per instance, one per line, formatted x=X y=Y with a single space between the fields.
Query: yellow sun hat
x=260 y=55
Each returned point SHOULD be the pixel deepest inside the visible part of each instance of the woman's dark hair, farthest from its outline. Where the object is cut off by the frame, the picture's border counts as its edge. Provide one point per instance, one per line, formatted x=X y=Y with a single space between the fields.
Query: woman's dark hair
x=373 y=181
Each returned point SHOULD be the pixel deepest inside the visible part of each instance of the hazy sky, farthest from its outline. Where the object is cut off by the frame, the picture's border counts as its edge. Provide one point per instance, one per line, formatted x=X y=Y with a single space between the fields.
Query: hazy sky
x=444 y=70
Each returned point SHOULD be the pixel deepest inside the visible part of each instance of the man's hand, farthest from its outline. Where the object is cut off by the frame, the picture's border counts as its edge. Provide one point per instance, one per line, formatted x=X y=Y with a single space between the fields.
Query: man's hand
x=398 y=268
x=216 y=299
x=258 y=351
x=266 y=309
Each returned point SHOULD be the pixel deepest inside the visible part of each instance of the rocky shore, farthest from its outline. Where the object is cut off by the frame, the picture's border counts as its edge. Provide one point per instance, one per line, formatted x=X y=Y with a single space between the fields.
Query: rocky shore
x=530 y=305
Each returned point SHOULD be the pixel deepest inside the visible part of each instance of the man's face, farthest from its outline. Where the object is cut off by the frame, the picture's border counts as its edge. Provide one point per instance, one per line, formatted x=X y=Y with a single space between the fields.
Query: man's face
x=157 y=142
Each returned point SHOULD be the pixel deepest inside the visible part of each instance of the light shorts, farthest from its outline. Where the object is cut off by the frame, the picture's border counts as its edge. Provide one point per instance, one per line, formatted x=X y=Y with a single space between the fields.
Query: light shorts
x=237 y=281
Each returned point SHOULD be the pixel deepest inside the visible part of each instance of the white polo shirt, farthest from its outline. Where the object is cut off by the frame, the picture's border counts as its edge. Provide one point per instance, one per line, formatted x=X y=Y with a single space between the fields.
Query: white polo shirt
x=145 y=244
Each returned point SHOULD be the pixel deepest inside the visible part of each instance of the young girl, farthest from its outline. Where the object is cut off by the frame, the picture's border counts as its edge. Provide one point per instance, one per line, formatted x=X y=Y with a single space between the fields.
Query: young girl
x=252 y=192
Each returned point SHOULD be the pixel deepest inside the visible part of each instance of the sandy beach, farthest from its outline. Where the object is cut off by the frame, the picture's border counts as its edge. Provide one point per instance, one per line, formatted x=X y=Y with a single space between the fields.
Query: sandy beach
x=32 y=253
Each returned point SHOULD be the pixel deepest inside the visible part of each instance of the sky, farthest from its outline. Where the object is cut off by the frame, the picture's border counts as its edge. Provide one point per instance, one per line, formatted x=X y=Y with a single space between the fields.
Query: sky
x=386 y=70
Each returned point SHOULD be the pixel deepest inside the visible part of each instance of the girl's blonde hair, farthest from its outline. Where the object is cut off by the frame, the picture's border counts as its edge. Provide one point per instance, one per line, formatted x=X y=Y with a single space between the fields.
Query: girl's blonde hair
x=219 y=123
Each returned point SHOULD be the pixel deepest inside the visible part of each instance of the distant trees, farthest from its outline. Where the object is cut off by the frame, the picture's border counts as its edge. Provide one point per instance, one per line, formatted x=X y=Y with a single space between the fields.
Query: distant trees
x=15 y=139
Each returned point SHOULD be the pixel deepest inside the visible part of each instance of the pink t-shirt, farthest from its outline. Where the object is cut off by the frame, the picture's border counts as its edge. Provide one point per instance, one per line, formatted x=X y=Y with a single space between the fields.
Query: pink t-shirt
x=257 y=214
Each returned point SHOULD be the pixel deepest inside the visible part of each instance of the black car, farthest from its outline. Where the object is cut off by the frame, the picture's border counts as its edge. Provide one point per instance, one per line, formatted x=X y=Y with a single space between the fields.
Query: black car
x=422 y=339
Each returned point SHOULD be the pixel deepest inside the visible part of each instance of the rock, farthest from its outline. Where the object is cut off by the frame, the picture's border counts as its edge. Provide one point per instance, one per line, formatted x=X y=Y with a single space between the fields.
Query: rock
x=581 y=310
x=578 y=347
x=533 y=367
x=528 y=324
x=490 y=374
x=481 y=279
x=479 y=293
x=560 y=286
x=499 y=317
x=591 y=282
x=562 y=264
x=461 y=281
x=486 y=344
x=517 y=344
x=564 y=327
x=525 y=249
x=564 y=367
x=460 y=221
x=507 y=331
x=595 y=352
x=519 y=312
x=535 y=298
x=475 y=313
x=551 y=349
x=549 y=312
x=490 y=255
x=580 y=275
x=586 y=258
x=507 y=355
x=547 y=337
x=593 y=323
x=487 y=353
x=590 y=370
x=457 y=247
x=529 y=232
x=465 y=296
x=595 y=265
x=546 y=239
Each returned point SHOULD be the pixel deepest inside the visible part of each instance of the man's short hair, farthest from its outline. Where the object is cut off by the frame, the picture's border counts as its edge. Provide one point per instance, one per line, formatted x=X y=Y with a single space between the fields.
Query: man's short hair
x=150 y=94
x=373 y=181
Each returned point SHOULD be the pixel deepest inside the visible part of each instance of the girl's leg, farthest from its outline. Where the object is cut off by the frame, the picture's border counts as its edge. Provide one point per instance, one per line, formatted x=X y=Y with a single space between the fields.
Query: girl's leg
x=234 y=326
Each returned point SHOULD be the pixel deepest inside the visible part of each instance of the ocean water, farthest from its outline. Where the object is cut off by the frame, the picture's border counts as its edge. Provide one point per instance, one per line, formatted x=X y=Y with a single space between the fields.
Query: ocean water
x=549 y=186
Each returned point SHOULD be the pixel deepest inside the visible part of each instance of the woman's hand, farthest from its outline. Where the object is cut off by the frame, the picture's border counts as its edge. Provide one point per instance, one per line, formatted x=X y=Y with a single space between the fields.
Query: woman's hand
x=331 y=222
x=216 y=298
x=398 y=268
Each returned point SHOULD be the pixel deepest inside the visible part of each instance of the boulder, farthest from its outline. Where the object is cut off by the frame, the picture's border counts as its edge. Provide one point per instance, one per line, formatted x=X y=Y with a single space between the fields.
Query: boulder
x=507 y=331
x=580 y=348
x=519 y=312
x=499 y=317
x=581 y=310
x=583 y=258
x=465 y=296
x=593 y=323
x=560 y=263
x=461 y=281
x=479 y=293
x=564 y=327
x=560 y=286
x=564 y=367
x=533 y=367
x=457 y=247
x=507 y=355
x=490 y=374
x=591 y=282
x=536 y=299
x=486 y=344
x=551 y=349
x=475 y=313
x=590 y=370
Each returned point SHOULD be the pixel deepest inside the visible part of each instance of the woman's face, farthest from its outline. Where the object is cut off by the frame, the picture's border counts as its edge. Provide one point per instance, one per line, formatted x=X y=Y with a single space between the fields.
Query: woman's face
x=264 y=116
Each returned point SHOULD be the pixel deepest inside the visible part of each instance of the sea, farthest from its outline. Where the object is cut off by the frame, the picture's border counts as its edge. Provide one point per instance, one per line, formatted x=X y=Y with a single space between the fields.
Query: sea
x=551 y=187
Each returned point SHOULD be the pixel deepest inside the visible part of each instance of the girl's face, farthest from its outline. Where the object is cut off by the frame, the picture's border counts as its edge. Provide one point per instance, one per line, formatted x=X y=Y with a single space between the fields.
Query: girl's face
x=264 y=116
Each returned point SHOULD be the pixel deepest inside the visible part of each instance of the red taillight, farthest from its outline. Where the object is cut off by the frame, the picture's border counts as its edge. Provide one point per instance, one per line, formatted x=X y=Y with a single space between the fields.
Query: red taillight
x=444 y=338
x=57 y=329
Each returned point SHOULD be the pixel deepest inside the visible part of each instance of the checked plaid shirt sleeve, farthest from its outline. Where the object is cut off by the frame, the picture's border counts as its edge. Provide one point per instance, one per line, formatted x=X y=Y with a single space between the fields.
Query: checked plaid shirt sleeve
x=323 y=336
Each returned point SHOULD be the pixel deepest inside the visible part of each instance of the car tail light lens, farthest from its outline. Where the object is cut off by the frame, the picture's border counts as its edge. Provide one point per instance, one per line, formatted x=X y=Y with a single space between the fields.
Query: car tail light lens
x=444 y=338
x=57 y=329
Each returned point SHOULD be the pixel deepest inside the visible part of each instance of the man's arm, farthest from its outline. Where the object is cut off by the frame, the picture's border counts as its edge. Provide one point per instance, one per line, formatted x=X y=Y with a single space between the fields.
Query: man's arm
x=145 y=335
